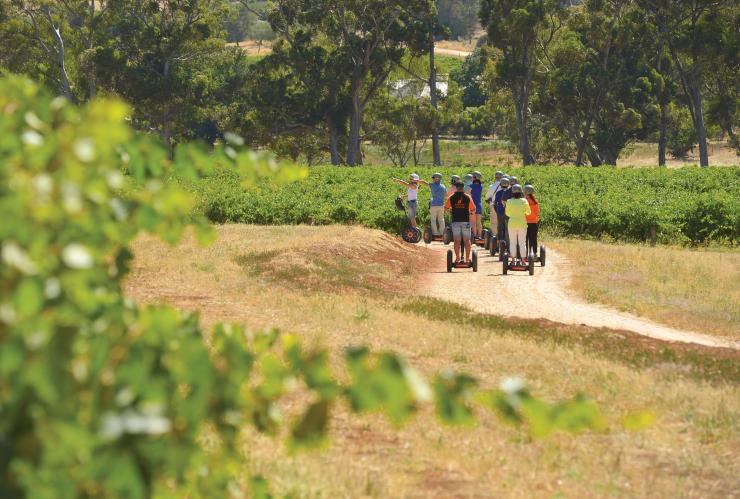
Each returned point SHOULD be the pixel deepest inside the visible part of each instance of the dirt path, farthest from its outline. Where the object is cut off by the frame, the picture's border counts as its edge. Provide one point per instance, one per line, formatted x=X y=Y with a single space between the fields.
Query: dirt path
x=543 y=296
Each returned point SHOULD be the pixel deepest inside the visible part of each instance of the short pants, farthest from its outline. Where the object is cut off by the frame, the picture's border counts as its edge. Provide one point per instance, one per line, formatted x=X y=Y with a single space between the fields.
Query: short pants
x=478 y=209
x=413 y=208
x=461 y=230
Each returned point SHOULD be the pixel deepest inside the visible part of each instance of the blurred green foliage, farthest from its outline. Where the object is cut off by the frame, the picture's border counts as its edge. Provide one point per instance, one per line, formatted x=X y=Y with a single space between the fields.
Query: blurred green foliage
x=102 y=398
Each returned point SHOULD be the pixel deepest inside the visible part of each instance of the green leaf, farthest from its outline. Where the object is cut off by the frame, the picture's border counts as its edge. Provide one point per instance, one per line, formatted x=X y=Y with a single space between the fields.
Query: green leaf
x=310 y=430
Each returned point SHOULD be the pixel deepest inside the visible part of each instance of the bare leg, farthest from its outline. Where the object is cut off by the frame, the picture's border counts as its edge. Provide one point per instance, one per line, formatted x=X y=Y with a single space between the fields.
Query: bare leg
x=467 y=250
x=458 y=244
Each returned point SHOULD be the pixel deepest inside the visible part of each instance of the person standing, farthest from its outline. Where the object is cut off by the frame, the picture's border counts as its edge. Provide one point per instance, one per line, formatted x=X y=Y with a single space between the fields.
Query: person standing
x=533 y=219
x=462 y=209
x=499 y=204
x=517 y=210
x=490 y=196
x=437 y=204
x=476 y=193
x=412 y=196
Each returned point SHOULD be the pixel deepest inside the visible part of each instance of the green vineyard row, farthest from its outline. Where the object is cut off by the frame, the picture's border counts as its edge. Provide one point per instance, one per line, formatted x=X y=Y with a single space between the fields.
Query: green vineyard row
x=672 y=206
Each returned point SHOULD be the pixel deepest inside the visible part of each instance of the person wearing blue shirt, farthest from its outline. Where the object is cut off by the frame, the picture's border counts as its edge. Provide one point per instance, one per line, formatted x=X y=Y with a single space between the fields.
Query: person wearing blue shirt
x=499 y=204
x=476 y=192
x=437 y=205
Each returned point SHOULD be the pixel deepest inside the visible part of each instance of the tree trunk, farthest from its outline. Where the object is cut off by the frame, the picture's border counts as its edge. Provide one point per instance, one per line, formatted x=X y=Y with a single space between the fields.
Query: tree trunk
x=433 y=97
x=521 y=105
x=354 y=148
x=662 y=139
x=701 y=130
x=336 y=160
x=60 y=54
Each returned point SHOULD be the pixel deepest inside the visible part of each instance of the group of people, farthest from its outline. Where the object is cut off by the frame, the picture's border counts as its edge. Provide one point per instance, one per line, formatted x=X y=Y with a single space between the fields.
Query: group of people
x=514 y=210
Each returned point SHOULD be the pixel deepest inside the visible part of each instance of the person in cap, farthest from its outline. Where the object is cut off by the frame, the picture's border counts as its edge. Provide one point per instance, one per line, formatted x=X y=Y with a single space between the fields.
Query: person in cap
x=462 y=210
x=490 y=195
x=533 y=219
x=453 y=181
x=437 y=204
x=499 y=205
x=468 y=181
x=476 y=193
x=517 y=210
x=412 y=195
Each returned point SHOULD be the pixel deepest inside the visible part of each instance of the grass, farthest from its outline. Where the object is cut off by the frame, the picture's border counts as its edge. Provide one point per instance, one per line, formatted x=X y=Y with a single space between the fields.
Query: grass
x=485 y=152
x=686 y=289
x=692 y=450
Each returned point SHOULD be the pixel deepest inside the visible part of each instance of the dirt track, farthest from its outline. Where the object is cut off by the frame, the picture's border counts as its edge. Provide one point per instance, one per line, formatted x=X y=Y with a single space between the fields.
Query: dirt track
x=542 y=296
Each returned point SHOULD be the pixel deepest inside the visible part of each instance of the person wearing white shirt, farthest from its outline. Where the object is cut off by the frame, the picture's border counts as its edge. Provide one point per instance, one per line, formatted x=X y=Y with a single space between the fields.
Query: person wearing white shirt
x=490 y=196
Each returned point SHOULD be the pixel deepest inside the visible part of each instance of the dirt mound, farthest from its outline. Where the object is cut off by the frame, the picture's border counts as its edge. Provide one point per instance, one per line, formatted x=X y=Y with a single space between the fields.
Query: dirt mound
x=358 y=260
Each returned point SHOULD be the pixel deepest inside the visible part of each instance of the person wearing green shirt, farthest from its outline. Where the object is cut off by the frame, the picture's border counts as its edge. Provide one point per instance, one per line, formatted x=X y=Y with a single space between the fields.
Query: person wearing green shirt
x=517 y=210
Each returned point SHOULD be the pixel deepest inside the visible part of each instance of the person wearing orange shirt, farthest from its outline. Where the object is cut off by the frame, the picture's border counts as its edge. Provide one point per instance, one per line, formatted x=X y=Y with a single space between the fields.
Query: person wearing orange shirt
x=533 y=219
x=462 y=209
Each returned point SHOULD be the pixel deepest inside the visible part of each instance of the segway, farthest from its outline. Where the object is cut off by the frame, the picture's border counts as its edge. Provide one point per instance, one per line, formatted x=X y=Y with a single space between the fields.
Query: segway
x=445 y=238
x=452 y=264
x=493 y=244
x=410 y=233
x=518 y=263
x=480 y=241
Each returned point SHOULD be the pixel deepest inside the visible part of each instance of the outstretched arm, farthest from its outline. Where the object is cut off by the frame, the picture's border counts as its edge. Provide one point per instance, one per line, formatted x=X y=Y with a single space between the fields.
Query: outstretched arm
x=401 y=182
x=424 y=182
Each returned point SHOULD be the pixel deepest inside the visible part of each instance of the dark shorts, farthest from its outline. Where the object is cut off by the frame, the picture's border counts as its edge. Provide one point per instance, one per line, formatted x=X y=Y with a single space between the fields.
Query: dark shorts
x=478 y=209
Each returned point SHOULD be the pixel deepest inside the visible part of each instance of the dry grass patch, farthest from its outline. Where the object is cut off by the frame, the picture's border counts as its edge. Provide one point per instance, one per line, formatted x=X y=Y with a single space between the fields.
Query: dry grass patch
x=646 y=154
x=695 y=290
x=692 y=451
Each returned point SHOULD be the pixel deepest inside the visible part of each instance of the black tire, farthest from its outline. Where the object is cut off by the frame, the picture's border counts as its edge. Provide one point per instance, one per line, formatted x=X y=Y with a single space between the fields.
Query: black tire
x=501 y=250
x=447 y=236
x=428 y=235
x=417 y=234
x=505 y=260
x=493 y=245
x=475 y=261
x=542 y=256
x=531 y=263
x=449 y=260
x=486 y=239
x=411 y=234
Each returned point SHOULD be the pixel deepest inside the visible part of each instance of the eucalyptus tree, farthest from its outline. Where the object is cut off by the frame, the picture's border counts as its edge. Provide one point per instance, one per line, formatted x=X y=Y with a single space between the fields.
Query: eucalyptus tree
x=689 y=30
x=54 y=41
x=158 y=58
x=370 y=37
x=521 y=30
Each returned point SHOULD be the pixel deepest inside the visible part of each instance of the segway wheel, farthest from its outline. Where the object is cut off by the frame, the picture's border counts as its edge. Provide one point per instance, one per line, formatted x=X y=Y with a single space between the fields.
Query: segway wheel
x=542 y=256
x=505 y=259
x=411 y=234
x=530 y=264
x=447 y=237
x=486 y=239
x=449 y=260
x=417 y=234
x=428 y=235
x=475 y=261
x=493 y=245
x=501 y=250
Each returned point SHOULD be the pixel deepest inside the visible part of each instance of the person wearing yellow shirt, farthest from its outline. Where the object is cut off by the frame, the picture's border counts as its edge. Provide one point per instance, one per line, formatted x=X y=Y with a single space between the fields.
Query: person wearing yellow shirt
x=517 y=210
